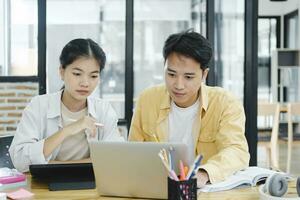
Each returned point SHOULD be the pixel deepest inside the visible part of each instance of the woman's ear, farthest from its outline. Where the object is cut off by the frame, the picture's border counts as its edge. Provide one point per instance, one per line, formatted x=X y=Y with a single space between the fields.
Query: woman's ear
x=61 y=72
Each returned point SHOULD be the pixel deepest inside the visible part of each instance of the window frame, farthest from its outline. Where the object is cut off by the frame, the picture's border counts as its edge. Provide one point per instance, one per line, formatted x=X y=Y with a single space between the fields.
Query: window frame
x=286 y=18
x=250 y=67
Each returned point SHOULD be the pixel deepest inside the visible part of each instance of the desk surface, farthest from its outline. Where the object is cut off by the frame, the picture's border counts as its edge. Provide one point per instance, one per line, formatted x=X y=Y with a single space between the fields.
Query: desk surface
x=41 y=192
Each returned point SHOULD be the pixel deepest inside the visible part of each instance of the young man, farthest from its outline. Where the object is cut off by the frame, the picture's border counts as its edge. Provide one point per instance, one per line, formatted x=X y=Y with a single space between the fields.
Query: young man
x=208 y=119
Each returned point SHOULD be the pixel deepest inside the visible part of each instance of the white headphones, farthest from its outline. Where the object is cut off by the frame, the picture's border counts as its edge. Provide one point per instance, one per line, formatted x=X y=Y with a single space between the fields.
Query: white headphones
x=275 y=187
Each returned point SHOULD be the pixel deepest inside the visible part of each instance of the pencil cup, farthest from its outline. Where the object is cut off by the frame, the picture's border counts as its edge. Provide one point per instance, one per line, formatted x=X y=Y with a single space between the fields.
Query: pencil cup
x=178 y=190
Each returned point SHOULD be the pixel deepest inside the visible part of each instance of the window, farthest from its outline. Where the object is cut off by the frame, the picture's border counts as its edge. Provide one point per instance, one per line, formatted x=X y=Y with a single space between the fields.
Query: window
x=18 y=41
x=229 y=45
x=268 y=41
x=152 y=26
x=102 y=21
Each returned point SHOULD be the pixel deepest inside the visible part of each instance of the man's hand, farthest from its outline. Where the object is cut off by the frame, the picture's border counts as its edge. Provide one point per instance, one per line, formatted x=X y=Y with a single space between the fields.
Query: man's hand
x=202 y=178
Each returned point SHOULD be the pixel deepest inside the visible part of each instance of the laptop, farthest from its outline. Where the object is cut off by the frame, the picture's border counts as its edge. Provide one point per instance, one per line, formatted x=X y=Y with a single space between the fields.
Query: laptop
x=71 y=176
x=133 y=169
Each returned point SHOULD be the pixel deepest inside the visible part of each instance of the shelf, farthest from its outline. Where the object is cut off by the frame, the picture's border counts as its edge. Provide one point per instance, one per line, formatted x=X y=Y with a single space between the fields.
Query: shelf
x=292 y=66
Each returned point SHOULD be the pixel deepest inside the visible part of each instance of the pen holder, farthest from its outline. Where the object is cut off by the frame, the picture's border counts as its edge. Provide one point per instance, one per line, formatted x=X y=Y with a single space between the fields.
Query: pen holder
x=182 y=190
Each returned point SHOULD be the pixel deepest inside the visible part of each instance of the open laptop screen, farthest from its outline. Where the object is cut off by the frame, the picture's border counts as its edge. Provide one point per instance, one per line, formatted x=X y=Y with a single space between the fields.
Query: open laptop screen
x=133 y=169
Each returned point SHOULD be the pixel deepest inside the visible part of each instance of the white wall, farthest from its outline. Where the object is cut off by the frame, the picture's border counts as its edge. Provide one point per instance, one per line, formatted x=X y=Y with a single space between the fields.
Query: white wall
x=114 y=10
x=268 y=8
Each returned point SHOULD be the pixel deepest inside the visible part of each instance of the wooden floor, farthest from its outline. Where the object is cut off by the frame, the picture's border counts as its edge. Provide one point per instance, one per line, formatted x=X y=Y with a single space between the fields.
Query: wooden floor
x=262 y=159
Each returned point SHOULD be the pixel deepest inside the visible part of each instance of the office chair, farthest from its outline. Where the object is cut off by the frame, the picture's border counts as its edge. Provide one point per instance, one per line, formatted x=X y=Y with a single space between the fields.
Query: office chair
x=5 y=142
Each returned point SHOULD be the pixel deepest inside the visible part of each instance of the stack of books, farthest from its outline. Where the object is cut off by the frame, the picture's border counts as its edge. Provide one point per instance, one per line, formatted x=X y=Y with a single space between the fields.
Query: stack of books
x=11 y=179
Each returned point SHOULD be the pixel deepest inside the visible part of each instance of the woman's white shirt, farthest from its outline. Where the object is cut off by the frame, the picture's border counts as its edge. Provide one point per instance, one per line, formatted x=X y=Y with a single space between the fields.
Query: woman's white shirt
x=75 y=147
x=42 y=118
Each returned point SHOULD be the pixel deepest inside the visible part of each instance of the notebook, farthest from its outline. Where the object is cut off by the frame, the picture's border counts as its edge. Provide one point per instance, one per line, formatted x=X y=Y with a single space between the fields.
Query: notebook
x=20 y=194
x=250 y=176
x=11 y=178
x=133 y=169
x=8 y=175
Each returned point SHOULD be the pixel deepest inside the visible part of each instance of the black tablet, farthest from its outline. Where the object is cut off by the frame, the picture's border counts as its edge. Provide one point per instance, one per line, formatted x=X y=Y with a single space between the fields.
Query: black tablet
x=64 y=176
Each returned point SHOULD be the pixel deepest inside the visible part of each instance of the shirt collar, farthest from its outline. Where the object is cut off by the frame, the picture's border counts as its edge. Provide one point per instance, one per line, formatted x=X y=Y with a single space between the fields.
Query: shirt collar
x=204 y=96
x=54 y=105
x=166 y=102
x=91 y=107
x=54 y=108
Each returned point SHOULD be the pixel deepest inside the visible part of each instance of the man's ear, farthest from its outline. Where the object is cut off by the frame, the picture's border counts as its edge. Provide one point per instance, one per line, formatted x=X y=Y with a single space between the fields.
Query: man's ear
x=61 y=72
x=204 y=74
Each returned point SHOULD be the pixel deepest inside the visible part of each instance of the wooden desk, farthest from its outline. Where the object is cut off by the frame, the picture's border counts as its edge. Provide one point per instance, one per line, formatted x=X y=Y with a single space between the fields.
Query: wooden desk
x=41 y=192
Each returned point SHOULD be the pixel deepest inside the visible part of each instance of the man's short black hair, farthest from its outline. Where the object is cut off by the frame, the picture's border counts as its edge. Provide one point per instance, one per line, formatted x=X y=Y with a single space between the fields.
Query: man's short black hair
x=190 y=44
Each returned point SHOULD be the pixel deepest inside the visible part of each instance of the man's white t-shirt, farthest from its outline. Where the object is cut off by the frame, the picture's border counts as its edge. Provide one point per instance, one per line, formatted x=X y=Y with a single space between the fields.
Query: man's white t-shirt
x=181 y=122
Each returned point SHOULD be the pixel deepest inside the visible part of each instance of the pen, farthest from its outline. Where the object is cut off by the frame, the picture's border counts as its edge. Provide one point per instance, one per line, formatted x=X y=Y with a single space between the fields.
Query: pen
x=99 y=124
x=155 y=137
x=171 y=157
x=196 y=163
x=186 y=170
x=181 y=167
x=171 y=172
x=164 y=154
x=96 y=123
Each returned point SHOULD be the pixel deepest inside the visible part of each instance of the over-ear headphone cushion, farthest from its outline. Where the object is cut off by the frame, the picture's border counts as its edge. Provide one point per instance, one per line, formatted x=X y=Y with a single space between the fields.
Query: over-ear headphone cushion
x=298 y=186
x=277 y=185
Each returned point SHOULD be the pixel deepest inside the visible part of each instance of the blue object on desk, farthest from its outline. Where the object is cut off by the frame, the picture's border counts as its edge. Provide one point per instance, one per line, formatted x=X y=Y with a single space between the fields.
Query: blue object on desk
x=195 y=165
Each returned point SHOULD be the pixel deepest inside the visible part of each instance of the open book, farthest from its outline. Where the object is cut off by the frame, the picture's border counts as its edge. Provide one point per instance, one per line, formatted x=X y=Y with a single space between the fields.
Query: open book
x=247 y=177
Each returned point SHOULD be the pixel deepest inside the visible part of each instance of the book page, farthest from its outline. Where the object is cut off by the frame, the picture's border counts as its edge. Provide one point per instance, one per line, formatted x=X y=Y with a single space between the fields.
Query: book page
x=256 y=174
x=231 y=182
x=246 y=177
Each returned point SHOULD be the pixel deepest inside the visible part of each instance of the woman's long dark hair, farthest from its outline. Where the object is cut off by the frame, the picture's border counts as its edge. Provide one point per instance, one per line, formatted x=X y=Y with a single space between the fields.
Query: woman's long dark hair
x=79 y=48
x=82 y=48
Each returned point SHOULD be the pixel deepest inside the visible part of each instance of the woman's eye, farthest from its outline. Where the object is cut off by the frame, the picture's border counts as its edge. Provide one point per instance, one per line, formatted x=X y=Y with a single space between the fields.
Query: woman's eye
x=76 y=74
x=171 y=75
x=189 y=77
x=94 y=76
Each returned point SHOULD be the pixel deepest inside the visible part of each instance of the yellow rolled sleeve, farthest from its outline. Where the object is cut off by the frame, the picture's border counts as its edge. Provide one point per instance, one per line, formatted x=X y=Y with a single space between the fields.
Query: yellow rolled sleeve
x=230 y=142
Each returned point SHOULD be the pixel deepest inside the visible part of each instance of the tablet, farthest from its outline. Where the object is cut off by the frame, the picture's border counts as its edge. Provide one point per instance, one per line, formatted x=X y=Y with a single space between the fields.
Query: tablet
x=64 y=176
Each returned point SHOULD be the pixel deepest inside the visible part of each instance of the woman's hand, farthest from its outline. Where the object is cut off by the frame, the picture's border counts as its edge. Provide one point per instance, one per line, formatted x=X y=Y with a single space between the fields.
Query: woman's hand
x=86 y=122
x=57 y=138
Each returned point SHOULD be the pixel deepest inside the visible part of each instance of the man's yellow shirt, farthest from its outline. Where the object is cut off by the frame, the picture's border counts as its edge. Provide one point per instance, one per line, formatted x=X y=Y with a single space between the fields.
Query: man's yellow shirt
x=218 y=131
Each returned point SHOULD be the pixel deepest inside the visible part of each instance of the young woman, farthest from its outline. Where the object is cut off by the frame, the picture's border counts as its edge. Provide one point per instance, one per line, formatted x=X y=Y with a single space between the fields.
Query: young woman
x=59 y=126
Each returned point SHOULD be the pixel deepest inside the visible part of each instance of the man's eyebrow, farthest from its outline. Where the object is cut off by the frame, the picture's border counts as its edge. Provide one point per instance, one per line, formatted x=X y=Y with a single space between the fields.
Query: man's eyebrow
x=189 y=73
x=171 y=70
x=96 y=71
